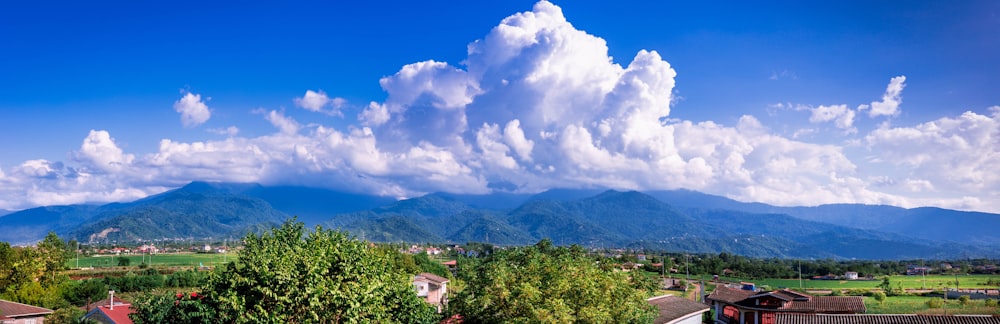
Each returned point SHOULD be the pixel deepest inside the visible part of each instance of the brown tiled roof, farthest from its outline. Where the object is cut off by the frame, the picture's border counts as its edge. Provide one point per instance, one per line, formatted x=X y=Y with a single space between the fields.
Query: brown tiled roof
x=828 y=304
x=792 y=318
x=433 y=278
x=673 y=308
x=9 y=309
x=795 y=301
x=729 y=295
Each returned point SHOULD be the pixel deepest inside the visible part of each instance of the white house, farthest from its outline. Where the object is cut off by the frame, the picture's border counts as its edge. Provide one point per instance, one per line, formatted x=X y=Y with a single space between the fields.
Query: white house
x=851 y=275
x=432 y=288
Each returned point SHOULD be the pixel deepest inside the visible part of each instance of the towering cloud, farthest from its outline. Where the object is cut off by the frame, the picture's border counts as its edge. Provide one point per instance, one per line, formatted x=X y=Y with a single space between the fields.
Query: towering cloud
x=539 y=104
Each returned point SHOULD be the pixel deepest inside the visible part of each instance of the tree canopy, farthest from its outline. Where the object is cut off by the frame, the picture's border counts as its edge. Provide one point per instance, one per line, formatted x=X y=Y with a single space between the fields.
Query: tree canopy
x=542 y=283
x=290 y=275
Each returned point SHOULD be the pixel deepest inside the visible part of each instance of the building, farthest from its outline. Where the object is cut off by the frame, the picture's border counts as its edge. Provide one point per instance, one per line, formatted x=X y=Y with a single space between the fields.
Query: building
x=884 y=319
x=109 y=311
x=111 y=314
x=433 y=288
x=17 y=313
x=677 y=310
x=733 y=305
x=851 y=275
x=913 y=270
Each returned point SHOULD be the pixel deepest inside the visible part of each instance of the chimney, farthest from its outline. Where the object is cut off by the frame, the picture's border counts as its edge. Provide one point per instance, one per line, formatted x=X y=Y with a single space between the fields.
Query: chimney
x=112 y=298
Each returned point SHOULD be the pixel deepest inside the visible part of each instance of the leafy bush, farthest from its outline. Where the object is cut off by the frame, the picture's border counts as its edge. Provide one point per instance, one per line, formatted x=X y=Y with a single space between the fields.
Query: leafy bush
x=934 y=303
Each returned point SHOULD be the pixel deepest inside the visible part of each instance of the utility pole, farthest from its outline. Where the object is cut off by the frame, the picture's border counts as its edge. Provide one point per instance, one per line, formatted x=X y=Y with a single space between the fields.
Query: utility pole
x=800 y=274
x=687 y=267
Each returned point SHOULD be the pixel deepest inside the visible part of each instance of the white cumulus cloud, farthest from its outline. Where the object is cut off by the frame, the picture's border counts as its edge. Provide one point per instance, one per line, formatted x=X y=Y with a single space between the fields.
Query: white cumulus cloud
x=842 y=116
x=193 y=111
x=889 y=105
x=539 y=104
x=317 y=100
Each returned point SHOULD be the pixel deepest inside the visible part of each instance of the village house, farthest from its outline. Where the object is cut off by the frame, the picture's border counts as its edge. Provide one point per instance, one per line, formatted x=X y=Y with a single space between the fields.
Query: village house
x=677 y=310
x=433 y=288
x=915 y=270
x=739 y=306
x=17 y=313
x=850 y=275
x=109 y=311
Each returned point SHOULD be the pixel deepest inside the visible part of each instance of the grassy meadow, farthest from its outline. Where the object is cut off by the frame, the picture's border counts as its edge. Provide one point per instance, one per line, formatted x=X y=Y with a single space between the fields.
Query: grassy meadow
x=156 y=260
x=907 y=282
x=918 y=305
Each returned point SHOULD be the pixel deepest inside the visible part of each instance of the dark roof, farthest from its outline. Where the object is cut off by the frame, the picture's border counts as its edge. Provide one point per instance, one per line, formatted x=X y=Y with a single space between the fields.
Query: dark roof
x=433 y=278
x=791 y=318
x=673 y=308
x=793 y=301
x=9 y=309
x=729 y=295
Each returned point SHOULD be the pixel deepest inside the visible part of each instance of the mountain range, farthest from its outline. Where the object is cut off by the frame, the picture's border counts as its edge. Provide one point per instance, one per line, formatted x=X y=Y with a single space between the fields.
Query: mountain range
x=677 y=220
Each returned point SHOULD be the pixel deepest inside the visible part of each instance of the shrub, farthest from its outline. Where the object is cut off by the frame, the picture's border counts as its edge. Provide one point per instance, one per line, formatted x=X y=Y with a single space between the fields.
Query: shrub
x=879 y=296
x=934 y=303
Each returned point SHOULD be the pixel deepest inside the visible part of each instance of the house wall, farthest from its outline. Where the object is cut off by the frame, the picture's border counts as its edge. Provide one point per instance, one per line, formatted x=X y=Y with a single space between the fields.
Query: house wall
x=422 y=288
x=693 y=319
x=25 y=320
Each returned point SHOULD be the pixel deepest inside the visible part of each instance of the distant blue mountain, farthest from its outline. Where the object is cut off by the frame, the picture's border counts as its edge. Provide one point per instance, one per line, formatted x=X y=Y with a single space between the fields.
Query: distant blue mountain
x=677 y=220
x=926 y=223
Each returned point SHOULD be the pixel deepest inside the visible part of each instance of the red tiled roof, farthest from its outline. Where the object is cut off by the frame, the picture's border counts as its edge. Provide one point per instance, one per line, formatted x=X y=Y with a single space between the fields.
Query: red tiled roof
x=104 y=302
x=119 y=315
x=9 y=309
x=673 y=308
x=792 y=318
x=450 y=262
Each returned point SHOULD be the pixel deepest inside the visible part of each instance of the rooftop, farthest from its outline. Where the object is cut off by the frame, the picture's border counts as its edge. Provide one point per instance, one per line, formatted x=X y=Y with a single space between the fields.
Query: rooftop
x=790 y=318
x=12 y=310
x=792 y=301
x=673 y=308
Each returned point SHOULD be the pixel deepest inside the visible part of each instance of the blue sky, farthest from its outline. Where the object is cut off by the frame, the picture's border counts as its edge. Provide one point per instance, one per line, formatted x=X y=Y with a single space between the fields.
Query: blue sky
x=787 y=103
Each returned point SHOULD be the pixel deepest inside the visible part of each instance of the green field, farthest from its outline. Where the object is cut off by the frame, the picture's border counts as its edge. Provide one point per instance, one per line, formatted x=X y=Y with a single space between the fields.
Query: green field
x=907 y=282
x=917 y=305
x=157 y=260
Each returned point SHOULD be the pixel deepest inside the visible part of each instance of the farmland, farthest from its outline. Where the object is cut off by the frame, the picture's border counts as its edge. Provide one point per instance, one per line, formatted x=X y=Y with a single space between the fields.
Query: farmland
x=929 y=282
x=156 y=260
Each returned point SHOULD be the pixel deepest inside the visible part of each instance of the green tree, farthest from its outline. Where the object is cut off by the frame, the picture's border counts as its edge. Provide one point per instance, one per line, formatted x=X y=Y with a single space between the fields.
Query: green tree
x=66 y=315
x=124 y=262
x=290 y=275
x=542 y=283
x=179 y=308
x=886 y=287
x=879 y=297
x=52 y=251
